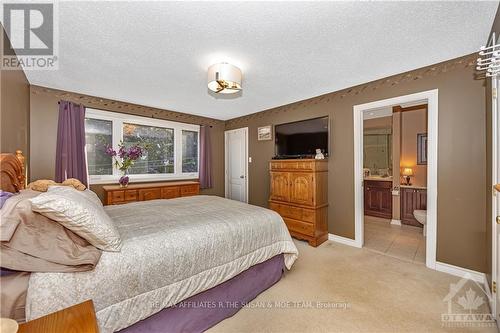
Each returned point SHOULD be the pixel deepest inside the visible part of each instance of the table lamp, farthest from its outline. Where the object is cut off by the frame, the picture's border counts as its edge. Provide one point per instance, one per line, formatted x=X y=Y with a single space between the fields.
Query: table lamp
x=407 y=173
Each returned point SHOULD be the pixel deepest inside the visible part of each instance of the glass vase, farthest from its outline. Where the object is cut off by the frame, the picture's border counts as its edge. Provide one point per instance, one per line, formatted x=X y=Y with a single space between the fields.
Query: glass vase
x=124 y=179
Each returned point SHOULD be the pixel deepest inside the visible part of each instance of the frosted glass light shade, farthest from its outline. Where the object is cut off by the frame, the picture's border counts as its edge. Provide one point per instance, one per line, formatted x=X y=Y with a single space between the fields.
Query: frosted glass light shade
x=224 y=78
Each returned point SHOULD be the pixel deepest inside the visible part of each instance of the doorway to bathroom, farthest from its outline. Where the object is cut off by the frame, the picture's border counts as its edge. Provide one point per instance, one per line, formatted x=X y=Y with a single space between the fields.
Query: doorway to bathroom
x=396 y=176
x=395 y=180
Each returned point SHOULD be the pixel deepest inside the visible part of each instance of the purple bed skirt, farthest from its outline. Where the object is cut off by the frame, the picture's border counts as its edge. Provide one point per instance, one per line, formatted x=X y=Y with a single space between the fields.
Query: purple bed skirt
x=204 y=310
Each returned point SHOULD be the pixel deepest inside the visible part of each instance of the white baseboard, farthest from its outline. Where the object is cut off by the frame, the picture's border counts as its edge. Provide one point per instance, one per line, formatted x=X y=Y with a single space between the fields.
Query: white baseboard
x=396 y=222
x=479 y=277
x=460 y=272
x=343 y=240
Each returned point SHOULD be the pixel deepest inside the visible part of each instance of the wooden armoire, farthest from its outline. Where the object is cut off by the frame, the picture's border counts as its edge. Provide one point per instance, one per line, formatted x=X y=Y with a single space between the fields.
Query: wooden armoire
x=299 y=193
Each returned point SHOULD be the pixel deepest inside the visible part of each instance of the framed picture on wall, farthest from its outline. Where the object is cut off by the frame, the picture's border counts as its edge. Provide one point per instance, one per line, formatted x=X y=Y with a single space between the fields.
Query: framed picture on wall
x=422 y=148
x=264 y=133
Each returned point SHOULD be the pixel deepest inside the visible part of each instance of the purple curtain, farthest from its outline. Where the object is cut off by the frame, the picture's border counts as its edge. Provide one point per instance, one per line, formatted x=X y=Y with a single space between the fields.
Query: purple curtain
x=70 y=152
x=205 y=158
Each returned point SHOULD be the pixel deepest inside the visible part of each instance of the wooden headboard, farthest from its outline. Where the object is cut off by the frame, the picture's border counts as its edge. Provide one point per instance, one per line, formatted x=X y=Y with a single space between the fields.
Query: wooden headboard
x=12 y=171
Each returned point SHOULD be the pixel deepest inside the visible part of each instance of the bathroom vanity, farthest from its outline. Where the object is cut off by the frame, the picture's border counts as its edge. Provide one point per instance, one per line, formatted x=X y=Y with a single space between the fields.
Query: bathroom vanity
x=378 y=197
x=412 y=198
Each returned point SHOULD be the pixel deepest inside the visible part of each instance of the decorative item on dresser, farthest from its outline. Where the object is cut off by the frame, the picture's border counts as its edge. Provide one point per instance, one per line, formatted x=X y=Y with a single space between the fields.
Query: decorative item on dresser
x=115 y=194
x=299 y=193
x=412 y=198
x=378 y=198
x=128 y=156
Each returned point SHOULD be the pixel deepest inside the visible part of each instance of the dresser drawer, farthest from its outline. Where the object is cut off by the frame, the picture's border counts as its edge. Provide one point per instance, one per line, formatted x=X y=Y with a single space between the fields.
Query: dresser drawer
x=131 y=195
x=308 y=215
x=170 y=192
x=188 y=190
x=304 y=228
x=293 y=165
x=278 y=209
x=118 y=196
x=149 y=194
x=293 y=212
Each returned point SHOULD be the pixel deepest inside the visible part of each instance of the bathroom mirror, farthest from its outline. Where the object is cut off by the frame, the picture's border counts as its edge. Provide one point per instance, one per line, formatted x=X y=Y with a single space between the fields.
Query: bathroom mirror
x=377 y=155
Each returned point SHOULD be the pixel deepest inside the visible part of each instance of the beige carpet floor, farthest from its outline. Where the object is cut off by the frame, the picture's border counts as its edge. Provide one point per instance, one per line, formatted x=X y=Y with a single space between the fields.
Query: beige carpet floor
x=338 y=288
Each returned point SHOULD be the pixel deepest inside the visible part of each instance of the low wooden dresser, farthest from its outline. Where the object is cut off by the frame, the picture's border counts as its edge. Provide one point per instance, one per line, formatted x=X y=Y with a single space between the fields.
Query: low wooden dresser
x=78 y=318
x=116 y=195
x=299 y=193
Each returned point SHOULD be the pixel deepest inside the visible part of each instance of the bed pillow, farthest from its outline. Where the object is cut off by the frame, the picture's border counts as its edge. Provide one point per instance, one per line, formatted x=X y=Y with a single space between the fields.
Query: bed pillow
x=32 y=242
x=91 y=196
x=88 y=194
x=79 y=214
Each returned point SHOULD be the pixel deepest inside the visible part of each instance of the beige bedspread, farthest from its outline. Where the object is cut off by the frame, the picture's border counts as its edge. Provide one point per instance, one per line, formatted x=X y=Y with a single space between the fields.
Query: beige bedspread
x=172 y=249
x=31 y=242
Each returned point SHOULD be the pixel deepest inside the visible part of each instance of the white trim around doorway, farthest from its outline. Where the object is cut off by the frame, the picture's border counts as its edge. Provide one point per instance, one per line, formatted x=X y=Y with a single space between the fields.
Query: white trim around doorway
x=431 y=98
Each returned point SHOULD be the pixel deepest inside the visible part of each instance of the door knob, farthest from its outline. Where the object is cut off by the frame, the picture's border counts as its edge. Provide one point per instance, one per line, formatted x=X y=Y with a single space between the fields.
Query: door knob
x=498 y=219
x=242 y=177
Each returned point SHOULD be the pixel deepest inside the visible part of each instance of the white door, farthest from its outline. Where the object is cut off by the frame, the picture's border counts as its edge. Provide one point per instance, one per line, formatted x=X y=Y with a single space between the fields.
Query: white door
x=496 y=198
x=236 y=148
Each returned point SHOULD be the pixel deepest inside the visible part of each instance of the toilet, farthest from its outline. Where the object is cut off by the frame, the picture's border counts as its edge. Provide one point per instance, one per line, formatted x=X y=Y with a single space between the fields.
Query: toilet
x=421 y=216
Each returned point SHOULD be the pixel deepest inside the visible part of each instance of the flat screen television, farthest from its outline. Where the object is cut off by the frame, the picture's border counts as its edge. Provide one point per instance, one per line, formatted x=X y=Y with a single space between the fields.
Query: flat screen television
x=300 y=139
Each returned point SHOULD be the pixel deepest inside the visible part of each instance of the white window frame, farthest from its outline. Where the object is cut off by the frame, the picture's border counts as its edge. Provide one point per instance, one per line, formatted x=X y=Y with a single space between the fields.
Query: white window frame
x=118 y=119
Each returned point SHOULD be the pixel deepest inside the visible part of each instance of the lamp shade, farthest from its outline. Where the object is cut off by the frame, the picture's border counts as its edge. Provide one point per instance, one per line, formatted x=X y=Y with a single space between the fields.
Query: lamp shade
x=407 y=172
x=224 y=78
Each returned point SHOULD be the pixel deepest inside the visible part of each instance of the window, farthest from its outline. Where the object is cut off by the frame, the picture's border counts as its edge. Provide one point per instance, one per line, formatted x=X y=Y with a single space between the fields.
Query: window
x=98 y=135
x=172 y=148
x=189 y=151
x=160 y=152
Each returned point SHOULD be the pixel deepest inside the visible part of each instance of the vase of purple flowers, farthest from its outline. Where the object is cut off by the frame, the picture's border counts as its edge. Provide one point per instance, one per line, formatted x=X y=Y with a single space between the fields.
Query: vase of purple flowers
x=124 y=179
x=124 y=158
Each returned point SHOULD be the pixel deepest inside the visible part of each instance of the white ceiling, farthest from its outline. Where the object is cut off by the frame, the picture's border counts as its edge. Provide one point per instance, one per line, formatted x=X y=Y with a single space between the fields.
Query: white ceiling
x=157 y=53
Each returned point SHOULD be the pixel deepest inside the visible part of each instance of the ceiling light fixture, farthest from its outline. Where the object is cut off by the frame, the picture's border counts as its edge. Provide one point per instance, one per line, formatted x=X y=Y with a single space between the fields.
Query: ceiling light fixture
x=224 y=78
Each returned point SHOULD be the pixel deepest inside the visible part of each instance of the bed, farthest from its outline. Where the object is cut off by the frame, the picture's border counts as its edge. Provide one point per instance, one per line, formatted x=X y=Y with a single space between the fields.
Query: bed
x=184 y=265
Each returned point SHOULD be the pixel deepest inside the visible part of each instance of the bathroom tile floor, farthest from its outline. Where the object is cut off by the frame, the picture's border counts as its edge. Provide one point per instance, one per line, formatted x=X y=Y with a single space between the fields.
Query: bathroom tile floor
x=403 y=242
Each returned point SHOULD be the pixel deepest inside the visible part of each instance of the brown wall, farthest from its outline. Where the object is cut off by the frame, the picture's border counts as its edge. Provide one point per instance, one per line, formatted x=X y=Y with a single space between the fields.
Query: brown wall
x=461 y=161
x=382 y=122
x=413 y=123
x=44 y=113
x=14 y=110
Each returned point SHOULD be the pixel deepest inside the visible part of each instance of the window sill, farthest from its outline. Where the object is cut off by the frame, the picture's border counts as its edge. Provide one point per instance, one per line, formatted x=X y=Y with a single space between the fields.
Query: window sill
x=141 y=179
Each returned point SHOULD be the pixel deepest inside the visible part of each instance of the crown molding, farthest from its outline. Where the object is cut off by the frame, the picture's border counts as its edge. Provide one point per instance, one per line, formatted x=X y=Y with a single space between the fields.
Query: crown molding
x=123 y=107
x=417 y=74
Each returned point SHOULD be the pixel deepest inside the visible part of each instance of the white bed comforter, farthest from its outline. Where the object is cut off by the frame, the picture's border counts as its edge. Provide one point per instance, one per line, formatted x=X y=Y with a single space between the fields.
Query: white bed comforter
x=172 y=249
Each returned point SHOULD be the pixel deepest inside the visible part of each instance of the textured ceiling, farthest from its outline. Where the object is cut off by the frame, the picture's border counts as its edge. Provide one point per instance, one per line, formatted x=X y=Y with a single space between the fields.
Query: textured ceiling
x=157 y=53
